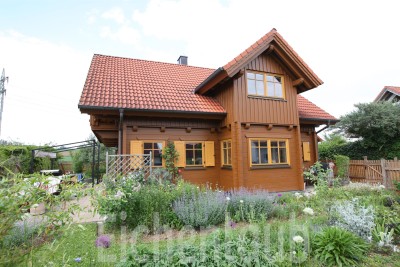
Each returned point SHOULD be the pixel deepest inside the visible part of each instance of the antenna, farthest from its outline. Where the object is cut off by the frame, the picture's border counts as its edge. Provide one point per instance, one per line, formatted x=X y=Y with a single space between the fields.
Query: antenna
x=3 y=79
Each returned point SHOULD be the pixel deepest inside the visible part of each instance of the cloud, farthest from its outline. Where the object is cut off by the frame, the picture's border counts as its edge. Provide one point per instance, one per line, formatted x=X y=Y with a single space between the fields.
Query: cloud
x=116 y=14
x=45 y=83
x=124 y=34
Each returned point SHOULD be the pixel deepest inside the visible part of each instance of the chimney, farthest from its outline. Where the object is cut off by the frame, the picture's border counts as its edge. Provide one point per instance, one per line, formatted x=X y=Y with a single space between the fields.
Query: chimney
x=183 y=60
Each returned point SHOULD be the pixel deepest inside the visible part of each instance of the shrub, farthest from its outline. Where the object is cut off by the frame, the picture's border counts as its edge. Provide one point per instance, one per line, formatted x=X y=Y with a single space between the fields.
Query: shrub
x=249 y=206
x=338 y=247
x=354 y=217
x=342 y=166
x=201 y=209
x=22 y=232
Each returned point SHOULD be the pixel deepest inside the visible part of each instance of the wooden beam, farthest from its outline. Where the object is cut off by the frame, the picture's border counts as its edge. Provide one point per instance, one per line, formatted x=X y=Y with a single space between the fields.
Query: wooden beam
x=135 y=128
x=290 y=127
x=162 y=129
x=298 y=82
x=188 y=129
x=212 y=130
x=270 y=126
x=247 y=126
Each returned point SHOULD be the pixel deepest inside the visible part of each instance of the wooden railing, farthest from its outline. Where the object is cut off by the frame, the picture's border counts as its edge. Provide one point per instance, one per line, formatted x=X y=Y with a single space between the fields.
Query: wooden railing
x=382 y=171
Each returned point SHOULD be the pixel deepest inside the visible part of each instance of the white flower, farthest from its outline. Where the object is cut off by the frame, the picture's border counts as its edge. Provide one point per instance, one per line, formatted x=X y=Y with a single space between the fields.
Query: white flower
x=308 y=211
x=26 y=216
x=369 y=239
x=381 y=243
x=119 y=194
x=298 y=195
x=381 y=186
x=241 y=201
x=306 y=194
x=294 y=252
x=228 y=198
x=395 y=249
x=298 y=239
x=34 y=206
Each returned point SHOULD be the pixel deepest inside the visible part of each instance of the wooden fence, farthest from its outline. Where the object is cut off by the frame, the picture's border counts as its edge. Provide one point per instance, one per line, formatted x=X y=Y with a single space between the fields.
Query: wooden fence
x=382 y=171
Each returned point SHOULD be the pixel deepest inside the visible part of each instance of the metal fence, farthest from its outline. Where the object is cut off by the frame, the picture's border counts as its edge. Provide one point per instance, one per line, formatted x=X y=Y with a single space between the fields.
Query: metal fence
x=125 y=165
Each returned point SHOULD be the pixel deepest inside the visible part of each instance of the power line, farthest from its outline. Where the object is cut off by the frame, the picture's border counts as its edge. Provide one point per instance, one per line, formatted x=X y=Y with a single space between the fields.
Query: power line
x=3 y=79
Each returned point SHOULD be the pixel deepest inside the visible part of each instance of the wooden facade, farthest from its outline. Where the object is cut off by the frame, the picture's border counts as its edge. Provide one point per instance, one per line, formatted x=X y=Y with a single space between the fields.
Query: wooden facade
x=251 y=124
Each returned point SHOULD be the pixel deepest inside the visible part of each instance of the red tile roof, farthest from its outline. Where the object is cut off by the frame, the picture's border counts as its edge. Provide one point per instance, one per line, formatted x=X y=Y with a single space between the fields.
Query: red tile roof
x=308 y=110
x=115 y=82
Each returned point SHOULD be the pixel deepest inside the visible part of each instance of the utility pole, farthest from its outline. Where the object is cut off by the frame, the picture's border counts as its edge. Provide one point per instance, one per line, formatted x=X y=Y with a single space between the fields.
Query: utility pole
x=3 y=79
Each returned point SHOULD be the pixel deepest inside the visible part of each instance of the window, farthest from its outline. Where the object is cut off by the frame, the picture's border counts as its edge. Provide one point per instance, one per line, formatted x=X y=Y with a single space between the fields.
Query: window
x=156 y=152
x=265 y=84
x=195 y=153
x=145 y=147
x=268 y=151
x=226 y=155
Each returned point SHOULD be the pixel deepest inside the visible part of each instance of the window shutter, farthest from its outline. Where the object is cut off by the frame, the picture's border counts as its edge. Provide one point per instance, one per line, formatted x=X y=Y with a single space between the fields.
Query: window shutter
x=306 y=151
x=136 y=148
x=209 y=153
x=180 y=148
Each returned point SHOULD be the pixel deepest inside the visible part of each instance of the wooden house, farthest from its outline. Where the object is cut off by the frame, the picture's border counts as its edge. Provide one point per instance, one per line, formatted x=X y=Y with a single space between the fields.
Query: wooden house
x=244 y=124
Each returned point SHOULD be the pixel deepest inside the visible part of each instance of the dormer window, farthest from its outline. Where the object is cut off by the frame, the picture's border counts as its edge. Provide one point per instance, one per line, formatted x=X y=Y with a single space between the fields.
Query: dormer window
x=265 y=84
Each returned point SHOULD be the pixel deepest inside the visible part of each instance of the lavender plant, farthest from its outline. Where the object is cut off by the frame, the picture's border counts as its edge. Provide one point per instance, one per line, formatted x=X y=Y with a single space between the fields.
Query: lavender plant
x=354 y=217
x=201 y=209
x=246 y=205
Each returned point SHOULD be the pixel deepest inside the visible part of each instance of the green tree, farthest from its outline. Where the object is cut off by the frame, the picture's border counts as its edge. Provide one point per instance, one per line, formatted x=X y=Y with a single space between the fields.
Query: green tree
x=376 y=124
x=330 y=147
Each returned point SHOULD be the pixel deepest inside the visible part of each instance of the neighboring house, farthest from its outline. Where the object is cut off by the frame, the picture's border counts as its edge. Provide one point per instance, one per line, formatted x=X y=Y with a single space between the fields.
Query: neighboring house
x=389 y=93
x=242 y=125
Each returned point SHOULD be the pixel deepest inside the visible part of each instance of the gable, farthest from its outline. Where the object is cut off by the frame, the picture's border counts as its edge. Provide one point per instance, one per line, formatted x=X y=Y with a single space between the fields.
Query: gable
x=271 y=43
x=388 y=92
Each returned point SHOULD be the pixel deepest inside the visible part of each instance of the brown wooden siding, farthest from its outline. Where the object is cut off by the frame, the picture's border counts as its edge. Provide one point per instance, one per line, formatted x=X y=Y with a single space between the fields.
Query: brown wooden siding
x=273 y=179
x=225 y=98
x=207 y=175
x=265 y=110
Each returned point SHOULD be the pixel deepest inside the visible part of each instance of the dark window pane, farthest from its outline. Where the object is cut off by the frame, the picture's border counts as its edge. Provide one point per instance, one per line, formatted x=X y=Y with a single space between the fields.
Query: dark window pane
x=254 y=156
x=275 y=155
x=254 y=143
x=264 y=155
x=198 y=145
x=157 y=160
x=274 y=143
x=229 y=157
x=224 y=144
x=277 y=79
x=147 y=151
x=282 y=153
x=251 y=75
x=199 y=157
x=189 y=157
x=263 y=144
x=282 y=143
x=189 y=146
x=148 y=145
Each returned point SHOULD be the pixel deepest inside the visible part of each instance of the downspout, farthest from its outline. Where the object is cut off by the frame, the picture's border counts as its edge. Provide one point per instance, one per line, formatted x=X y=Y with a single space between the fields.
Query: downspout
x=121 y=119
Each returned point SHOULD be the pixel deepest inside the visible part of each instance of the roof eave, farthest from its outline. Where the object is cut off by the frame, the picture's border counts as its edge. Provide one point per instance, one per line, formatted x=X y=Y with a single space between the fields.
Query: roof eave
x=320 y=120
x=216 y=77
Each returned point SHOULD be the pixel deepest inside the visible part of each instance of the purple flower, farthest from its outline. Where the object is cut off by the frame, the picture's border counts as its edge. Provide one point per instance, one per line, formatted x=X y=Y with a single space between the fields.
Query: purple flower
x=279 y=195
x=103 y=241
x=232 y=224
x=79 y=259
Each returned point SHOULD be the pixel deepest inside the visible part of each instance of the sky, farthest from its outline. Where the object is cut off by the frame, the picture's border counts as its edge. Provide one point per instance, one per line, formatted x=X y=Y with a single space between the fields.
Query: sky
x=46 y=47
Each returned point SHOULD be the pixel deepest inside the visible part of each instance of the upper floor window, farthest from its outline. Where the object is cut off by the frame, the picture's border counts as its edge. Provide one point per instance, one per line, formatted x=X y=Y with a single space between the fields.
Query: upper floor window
x=265 y=84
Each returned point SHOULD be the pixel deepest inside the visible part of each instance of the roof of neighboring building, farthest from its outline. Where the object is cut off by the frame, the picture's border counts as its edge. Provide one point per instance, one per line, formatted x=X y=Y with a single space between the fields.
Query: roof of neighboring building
x=116 y=82
x=393 y=89
x=308 y=110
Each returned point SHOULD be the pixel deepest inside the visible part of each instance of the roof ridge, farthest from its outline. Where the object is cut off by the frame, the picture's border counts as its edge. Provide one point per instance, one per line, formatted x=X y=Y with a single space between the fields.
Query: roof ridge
x=153 y=61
